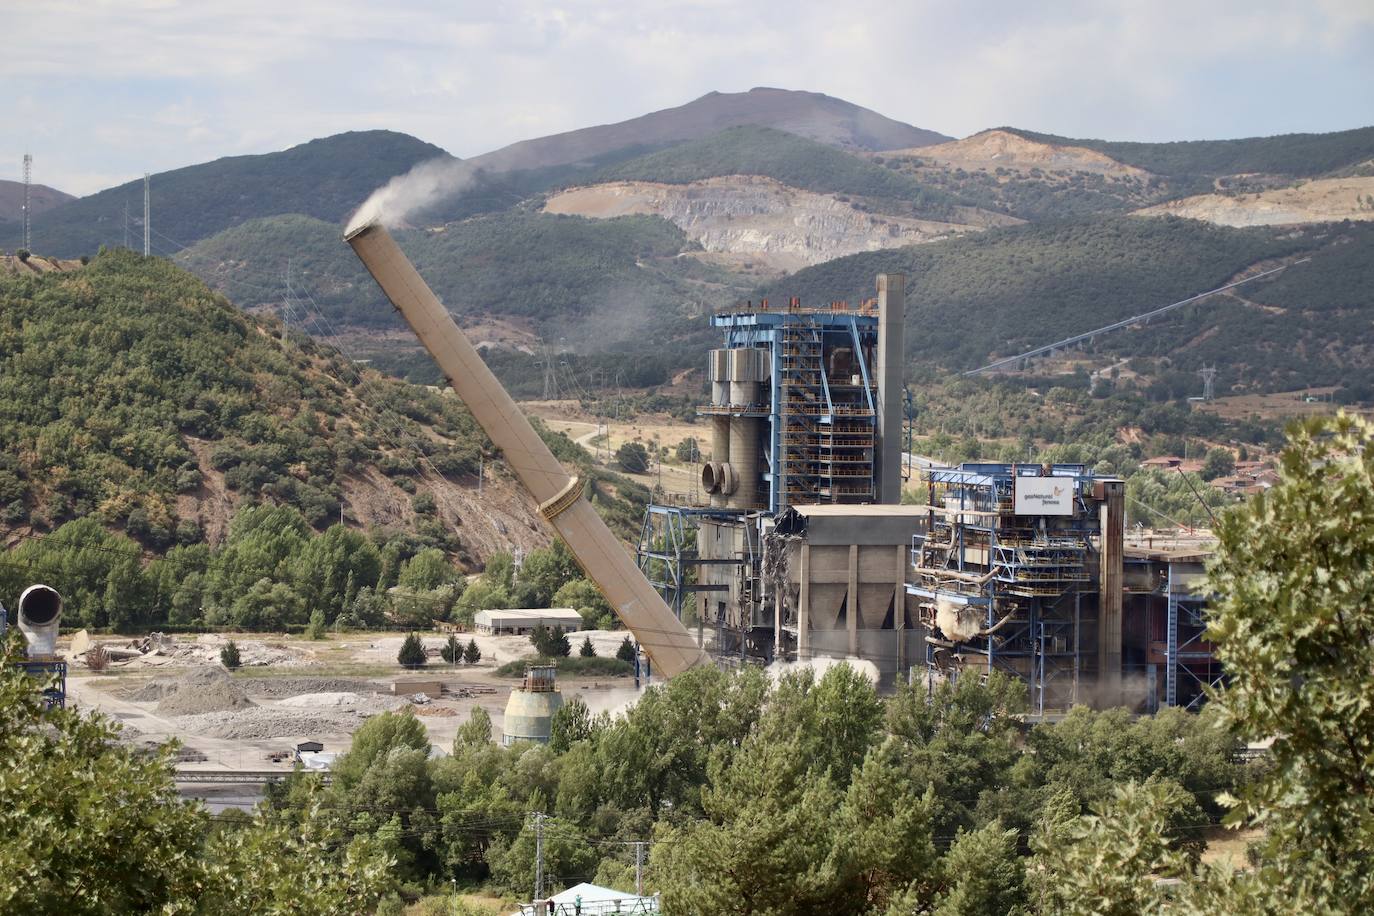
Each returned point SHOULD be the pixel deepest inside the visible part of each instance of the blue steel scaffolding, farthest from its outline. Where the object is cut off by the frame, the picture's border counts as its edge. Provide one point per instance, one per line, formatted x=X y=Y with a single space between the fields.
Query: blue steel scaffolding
x=668 y=554
x=822 y=410
x=1007 y=587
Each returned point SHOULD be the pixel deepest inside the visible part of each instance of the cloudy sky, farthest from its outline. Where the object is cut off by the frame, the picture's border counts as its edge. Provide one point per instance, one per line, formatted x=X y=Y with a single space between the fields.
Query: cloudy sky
x=102 y=91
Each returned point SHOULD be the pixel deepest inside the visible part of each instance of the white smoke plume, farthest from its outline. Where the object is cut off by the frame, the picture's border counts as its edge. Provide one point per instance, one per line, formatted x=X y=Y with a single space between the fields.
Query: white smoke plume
x=821 y=665
x=959 y=623
x=426 y=184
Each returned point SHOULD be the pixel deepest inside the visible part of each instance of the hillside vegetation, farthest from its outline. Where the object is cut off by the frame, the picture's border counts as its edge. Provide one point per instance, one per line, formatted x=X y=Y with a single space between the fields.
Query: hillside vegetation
x=598 y=283
x=1008 y=290
x=326 y=179
x=147 y=418
x=1296 y=155
x=126 y=384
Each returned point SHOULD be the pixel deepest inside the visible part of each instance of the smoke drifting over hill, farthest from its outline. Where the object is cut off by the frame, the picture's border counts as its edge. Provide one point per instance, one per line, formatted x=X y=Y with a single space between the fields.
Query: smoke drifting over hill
x=426 y=184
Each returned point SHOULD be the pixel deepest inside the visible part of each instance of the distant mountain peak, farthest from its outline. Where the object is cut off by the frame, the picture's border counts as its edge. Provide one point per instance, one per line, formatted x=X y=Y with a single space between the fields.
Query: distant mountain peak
x=812 y=115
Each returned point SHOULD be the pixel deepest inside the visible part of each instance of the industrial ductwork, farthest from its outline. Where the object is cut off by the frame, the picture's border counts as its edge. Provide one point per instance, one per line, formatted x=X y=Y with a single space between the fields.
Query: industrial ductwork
x=891 y=354
x=558 y=493
x=40 y=615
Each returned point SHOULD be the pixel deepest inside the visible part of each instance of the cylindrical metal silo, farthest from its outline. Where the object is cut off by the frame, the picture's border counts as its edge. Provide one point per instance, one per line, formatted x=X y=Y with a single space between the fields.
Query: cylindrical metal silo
x=744 y=460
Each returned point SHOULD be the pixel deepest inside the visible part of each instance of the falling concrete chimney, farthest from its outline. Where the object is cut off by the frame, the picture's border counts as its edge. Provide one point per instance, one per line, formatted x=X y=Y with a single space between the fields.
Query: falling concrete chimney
x=891 y=354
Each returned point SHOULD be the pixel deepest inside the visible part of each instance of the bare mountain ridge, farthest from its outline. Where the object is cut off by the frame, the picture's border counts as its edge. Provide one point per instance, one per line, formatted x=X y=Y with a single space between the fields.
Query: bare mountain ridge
x=992 y=149
x=755 y=217
x=1324 y=200
x=41 y=198
x=808 y=114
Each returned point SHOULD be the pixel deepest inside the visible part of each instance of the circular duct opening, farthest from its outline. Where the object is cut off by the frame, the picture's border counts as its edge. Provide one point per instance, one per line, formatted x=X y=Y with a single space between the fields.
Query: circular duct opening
x=710 y=481
x=39 y=605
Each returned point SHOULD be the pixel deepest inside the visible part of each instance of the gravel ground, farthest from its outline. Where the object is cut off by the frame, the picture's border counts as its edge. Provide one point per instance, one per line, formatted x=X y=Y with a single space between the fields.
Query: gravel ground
x=270 y=722
x=368 y=704
x=278 y=688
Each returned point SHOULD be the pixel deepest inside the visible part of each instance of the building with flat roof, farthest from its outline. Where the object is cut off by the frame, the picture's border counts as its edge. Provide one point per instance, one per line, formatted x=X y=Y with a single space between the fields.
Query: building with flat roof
x=522 y=621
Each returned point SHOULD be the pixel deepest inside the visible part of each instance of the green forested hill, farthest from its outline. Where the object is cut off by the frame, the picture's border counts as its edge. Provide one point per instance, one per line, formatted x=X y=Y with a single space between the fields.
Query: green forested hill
x=127 y=384
x=788 y=158
x=326 y=179
x=598 y=283
x=1012 y=289
x=1296 y=155
x=168 y=457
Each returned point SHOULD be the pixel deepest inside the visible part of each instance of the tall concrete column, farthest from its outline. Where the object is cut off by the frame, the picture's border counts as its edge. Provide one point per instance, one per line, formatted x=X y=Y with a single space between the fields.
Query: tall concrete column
x=804 y=605
x=852 y=600
x=1110 y=577
x=899 y=607
x=891 y=355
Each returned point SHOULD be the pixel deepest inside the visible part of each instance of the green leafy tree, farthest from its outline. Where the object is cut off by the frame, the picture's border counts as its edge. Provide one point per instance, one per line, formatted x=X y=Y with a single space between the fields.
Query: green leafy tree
x=542 y=639
x=632 y=457
x=476 y=731
x=543 y=575
x=426 y=571
x=587 y=650
x=982 y=873
x=626 y=650
x=65 y=847
x=1219 y=463
x=452 y=651
x=412 y=654
x=229 y=656
x=565 y=853
x=316 y=628
x=583 y=596
x=472 y=654
x=572 y=722
x=1106 y=864
x=558 y=645
x=1295 y=631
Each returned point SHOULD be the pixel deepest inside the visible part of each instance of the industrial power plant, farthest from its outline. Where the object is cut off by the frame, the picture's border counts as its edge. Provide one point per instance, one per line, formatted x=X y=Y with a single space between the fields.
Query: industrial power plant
x=806 y=549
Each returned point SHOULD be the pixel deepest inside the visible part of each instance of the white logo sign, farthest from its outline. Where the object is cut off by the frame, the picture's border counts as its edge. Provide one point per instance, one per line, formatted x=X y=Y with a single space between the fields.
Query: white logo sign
x=1044 y=496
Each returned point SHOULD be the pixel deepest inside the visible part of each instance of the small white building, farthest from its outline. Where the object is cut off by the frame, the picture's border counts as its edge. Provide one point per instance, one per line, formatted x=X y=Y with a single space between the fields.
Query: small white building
x=522 y=621
x=591 y=900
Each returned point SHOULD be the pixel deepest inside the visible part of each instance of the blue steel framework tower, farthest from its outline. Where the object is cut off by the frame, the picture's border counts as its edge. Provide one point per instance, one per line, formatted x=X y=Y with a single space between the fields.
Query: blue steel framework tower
x=816 y=429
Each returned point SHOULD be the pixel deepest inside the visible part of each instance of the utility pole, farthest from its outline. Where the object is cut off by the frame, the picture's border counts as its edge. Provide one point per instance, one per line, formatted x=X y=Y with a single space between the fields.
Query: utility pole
x=538 y=862
x=639 y=868
x=1208 y=373
x=126 y=223
x=28 y=180
x=147 y=219
x=481 y=466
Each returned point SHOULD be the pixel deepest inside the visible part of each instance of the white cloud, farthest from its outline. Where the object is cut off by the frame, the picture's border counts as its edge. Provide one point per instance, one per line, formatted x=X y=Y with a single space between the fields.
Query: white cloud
x=117 y=88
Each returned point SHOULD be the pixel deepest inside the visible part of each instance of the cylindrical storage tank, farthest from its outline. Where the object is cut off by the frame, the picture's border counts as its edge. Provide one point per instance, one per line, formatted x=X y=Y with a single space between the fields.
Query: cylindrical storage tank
x=720 y=439
x=40 y=615
x=744 y=460
x=747 y=371
x=718 y=370
x=530 y=709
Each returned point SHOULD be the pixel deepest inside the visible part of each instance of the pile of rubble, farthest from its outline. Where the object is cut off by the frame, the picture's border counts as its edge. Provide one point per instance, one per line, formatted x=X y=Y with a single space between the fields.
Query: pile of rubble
x=202 y=690
x=269 y=722
x=350 y=702
x=160 y=649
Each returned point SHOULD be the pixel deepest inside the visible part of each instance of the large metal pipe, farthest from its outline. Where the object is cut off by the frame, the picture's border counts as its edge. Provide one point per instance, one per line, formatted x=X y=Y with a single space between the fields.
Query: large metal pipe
x=559 y=493
x=40 y=614
x=891 y=354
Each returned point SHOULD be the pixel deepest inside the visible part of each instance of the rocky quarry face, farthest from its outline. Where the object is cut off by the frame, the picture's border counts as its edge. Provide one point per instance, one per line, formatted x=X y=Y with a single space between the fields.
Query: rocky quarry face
x=752 y=215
